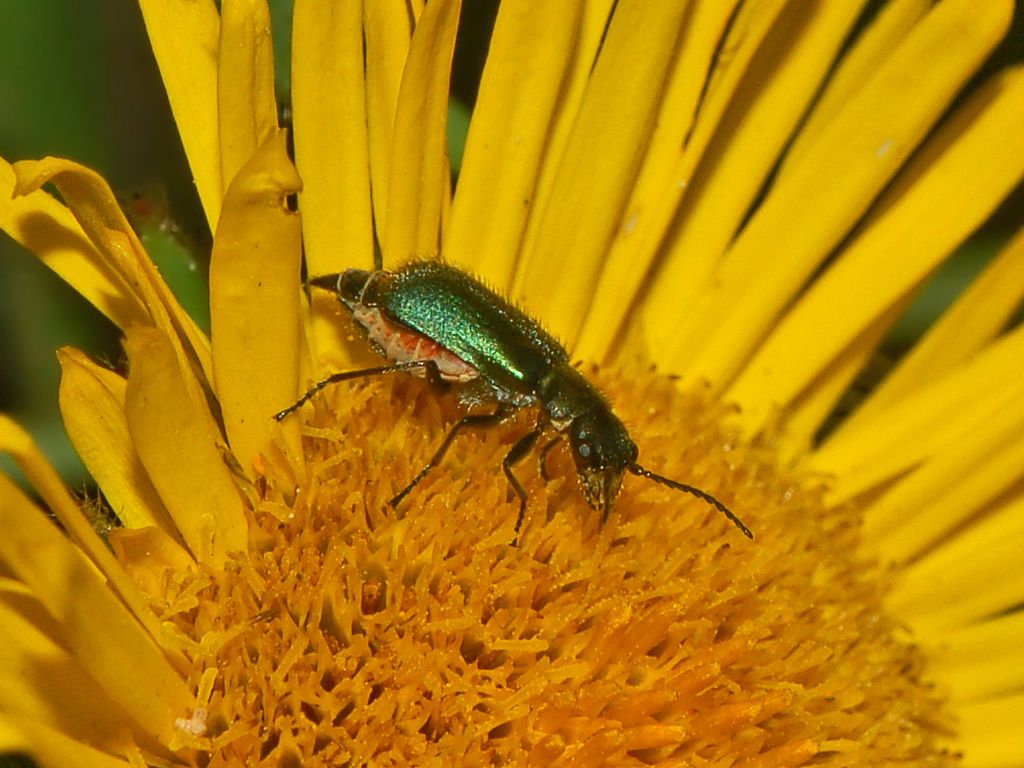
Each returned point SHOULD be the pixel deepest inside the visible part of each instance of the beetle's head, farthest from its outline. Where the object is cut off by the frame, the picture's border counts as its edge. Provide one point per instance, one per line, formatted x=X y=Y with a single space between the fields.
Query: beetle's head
x=603 y=451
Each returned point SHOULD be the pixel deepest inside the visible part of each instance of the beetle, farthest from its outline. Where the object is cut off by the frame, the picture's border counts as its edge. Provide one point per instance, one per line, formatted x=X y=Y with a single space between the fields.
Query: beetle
x=434 y=320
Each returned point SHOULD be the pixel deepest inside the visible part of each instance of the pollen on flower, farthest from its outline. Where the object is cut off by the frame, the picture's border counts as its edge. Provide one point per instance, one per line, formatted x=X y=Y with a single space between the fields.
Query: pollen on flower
x=194 y=724
x=353 y=633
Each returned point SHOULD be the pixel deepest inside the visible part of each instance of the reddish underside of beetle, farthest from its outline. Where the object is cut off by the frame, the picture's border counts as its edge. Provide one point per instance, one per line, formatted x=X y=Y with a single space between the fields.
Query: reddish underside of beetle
x=401 y=345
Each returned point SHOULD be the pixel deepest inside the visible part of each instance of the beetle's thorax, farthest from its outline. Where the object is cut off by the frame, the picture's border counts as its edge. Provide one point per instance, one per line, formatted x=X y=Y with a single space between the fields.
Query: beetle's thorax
x=565 y=394
x=600 y=444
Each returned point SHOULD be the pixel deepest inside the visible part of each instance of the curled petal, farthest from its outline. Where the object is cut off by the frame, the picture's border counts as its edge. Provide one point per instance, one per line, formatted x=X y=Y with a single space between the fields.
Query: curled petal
x=50 y=232
x=92 y=406
x=89 y=198
x=179 y=445
x=255 y=301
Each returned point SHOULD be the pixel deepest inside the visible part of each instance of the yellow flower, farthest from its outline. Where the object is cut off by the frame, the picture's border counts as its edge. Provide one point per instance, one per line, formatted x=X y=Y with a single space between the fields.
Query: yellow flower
x=740 y=195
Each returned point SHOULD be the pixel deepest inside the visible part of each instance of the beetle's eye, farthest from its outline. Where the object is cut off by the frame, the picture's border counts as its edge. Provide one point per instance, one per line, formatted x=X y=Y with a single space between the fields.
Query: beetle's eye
x=583 y=449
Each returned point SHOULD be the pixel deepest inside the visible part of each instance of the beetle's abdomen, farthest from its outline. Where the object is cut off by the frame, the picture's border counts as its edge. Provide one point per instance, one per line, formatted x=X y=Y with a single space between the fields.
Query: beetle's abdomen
x=403 y=345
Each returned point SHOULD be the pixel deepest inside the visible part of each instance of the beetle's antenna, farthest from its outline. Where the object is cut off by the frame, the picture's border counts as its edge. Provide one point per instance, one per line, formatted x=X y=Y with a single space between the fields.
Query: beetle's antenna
x=636 y=469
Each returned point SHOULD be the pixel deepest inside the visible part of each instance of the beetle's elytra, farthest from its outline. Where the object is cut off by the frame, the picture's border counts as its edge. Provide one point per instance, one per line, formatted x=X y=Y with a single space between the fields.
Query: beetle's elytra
x=435 y=320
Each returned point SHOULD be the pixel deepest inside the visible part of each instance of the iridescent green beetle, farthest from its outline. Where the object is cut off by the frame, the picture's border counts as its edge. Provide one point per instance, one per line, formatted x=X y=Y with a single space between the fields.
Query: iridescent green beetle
x=433 y=319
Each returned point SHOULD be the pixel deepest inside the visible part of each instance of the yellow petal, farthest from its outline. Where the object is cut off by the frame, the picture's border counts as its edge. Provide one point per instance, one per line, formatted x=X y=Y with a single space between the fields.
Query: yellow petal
x=47 y=483
x=974 y=319
x=41 y=681
x=684 y=269
x=980 y=463
x=247 y=108
x=794 y=50
x=51 y=748
x=531 y=47
x=921 y=218
x=806 y=415
x=907 y=432
x=887 y=30
x=92 y=406
x=972 y=575
x=184 y=36
x=871 y=137
x=386 y=34
x=419 y=158
x=254 y=303
x=18 y=598
x=331 y=154
x=589 y=36
x=146 y=554
x=96 y=627
x=677 y=143
x=177 y=442
x=990 y=732
x=89 y=198
x=50 y=232
x=981 y=660
x=600 y=162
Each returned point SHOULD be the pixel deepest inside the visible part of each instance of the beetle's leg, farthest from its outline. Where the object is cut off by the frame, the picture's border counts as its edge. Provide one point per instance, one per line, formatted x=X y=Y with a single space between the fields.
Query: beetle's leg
x=522 y=447
x=542 y=460
x=433 y=374
x=476 y=420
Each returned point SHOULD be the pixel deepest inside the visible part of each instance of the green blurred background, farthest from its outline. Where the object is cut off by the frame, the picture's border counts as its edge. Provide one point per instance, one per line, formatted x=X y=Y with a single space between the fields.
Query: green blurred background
x=79 y=81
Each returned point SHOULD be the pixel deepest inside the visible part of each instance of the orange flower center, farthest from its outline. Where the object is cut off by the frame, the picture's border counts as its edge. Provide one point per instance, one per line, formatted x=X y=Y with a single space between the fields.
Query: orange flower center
x=355 y=633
